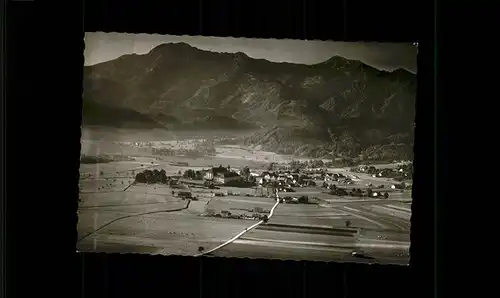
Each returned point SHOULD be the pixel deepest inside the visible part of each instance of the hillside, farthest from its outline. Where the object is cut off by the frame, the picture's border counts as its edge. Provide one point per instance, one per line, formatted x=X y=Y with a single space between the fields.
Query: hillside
x=96 y=114
x=338 y=107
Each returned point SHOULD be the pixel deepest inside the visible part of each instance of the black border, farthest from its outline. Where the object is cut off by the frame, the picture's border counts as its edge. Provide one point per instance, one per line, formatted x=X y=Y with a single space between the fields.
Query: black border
x=3 y=221
x=59 y=60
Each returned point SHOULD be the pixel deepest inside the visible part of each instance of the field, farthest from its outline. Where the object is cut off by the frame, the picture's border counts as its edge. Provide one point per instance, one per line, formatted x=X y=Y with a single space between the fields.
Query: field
x=118 y=216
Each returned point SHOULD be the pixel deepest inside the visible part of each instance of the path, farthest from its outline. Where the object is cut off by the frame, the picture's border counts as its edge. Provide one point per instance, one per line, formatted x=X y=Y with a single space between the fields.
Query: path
x=133 y=215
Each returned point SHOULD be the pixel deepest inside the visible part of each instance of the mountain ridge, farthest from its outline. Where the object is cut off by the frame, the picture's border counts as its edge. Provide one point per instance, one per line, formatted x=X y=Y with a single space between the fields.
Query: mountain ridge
x=201 y=88
x=186 y=45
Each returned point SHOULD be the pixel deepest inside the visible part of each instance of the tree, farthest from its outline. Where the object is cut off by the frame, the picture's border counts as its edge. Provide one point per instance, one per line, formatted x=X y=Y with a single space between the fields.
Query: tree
x=303 y=200
x=372 y=170
x=246 y=172
x=180 y=173
x=348 y=223
x=141 y=178
x=386 y=195
x=189 y=174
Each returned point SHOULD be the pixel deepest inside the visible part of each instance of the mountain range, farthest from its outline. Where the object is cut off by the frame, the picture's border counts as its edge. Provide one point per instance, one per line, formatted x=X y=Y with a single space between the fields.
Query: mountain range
x=337 y=108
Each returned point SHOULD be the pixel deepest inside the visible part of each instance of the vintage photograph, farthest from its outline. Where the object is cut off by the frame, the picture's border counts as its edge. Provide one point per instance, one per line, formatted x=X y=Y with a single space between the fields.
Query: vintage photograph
x=257 y=148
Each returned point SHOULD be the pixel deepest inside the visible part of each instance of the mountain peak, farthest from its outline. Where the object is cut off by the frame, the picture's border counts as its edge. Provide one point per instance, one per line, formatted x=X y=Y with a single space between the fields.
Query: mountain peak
x=338 y=61
x=172 y=46
x=334 y=59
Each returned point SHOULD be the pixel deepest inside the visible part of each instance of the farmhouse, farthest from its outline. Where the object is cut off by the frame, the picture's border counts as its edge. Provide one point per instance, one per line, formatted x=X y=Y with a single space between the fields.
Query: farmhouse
x=213 y=172
x=223 y=178
x=207 y=174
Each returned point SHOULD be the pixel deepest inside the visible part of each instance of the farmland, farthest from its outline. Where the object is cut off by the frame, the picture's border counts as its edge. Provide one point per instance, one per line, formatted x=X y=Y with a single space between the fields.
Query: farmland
x=118 y=215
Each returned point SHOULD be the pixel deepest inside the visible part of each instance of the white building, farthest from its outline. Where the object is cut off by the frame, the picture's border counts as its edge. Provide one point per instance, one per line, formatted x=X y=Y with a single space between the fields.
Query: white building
x=208 y=175
x=223 y=178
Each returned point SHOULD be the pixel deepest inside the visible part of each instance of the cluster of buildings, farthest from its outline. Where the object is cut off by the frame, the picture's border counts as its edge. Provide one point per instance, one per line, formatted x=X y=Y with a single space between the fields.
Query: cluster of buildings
x=404 y=171
x=357 y=192
x=188 y=152
x=221 y=175
x=284 y=179
x=227 y=214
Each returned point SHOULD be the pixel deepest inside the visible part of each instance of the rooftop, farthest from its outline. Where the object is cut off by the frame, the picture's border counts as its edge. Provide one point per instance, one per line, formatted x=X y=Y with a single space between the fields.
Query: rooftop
x=229 y=174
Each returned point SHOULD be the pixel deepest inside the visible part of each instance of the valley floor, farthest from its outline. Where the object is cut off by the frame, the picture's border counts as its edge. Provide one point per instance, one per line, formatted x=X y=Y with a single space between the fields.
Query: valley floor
x=116 y=215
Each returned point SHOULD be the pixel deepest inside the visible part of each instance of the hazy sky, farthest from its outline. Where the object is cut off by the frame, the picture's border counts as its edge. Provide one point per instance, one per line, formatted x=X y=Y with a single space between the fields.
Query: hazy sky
x=101 y=47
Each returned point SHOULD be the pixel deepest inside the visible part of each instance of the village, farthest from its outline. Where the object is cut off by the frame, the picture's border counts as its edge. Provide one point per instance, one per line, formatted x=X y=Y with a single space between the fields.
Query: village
x=293 y=184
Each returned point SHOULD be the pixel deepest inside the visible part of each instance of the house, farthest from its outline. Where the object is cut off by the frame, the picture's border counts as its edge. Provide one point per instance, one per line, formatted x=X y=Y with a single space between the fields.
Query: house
x=223 y=178
x=266 y=176
x=213 y=172
x=207 y=175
